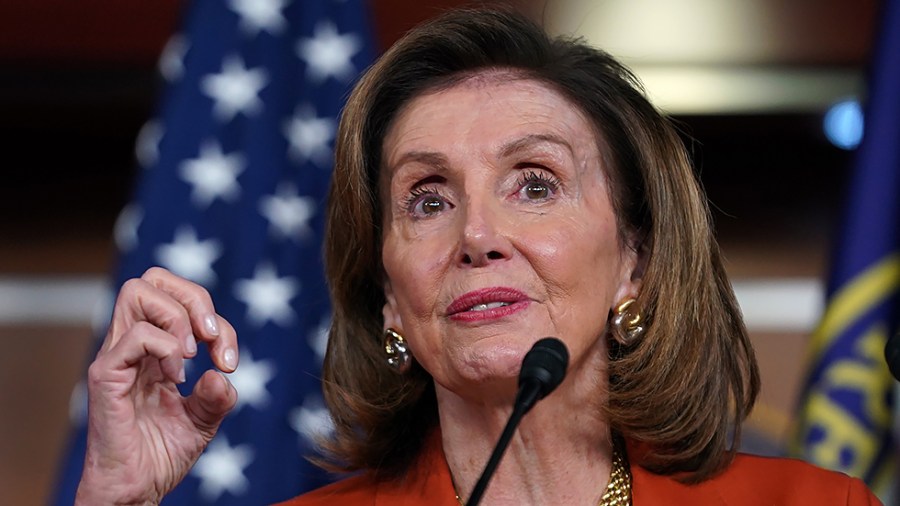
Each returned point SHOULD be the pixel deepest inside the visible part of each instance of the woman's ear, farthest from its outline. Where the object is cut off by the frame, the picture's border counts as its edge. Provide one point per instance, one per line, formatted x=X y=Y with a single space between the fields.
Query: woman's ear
x=643 y=254
x=389 y=311
x=634 y=262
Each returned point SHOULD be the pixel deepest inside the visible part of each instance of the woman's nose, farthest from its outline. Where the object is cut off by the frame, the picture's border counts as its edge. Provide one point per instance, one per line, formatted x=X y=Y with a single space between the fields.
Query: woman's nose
x=484 y=237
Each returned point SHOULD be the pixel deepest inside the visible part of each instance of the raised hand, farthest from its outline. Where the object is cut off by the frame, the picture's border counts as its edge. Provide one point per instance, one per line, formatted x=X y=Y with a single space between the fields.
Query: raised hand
x=143 y=435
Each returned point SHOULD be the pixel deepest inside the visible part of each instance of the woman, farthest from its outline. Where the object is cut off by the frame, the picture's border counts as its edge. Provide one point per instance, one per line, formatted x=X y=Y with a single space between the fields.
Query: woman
x=491 y=187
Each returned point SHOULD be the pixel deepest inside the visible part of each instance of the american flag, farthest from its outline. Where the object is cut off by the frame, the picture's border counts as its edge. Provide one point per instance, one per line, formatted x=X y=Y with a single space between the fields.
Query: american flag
x=235 y=169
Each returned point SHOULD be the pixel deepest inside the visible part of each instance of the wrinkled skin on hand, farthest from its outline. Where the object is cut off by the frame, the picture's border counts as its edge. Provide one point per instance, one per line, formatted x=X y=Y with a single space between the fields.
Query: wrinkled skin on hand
x=143 y=435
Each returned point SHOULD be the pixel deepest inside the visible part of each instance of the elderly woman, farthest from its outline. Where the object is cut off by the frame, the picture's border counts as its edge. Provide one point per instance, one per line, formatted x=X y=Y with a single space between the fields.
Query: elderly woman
x=492 y=187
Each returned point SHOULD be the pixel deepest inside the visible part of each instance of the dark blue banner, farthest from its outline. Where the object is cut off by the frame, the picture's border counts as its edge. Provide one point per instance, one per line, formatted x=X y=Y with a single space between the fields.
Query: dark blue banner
x=846 y=414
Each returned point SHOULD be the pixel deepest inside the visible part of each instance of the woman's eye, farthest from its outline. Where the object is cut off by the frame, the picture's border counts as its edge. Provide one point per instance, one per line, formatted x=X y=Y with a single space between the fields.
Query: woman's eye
x=424 y=202
x=535 y=185
x=535 y=191
x=431 y=204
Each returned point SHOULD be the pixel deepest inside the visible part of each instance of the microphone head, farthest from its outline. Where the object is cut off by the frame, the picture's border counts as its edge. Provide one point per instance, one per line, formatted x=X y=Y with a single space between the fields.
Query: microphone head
x=892 y=355
x=545 y=363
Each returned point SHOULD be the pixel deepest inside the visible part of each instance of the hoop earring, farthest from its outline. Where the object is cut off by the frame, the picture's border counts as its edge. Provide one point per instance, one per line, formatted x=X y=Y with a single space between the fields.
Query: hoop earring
x=626 y=325
x=398 y=356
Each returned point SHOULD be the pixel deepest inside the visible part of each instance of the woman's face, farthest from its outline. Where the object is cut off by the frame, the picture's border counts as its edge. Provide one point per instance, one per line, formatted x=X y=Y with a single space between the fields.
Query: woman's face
x=498 y=230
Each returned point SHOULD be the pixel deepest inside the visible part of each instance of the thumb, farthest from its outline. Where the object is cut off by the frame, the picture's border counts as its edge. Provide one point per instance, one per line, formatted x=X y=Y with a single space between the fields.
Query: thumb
x=213 y=397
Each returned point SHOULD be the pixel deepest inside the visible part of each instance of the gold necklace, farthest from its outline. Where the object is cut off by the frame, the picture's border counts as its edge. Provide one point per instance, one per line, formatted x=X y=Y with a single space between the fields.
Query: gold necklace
x=618 y=490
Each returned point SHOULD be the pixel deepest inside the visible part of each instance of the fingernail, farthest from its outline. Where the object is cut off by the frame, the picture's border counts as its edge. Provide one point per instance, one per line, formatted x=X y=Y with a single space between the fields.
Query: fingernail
x=230 y=358
x=228 y=382
x=181 y=376
x=211 y=325
x=190 y=344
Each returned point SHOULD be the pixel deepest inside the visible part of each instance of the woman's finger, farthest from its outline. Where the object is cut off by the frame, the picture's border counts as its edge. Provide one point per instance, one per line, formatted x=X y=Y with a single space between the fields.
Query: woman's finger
x=208 y=326
x=212 y=398
x=141 y=341
x=224 y=349
x=192 y=296
x=140 y=301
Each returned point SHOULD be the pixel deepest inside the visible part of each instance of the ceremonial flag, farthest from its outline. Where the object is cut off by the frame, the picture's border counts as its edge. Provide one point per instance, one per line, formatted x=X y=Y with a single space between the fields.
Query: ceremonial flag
x=845 y=416
x=235 y=172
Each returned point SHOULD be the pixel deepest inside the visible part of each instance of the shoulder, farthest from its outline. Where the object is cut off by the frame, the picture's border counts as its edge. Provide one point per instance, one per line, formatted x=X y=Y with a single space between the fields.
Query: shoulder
x=354 y=491
x=794 y=481
x=752 y=479
x=427 y=482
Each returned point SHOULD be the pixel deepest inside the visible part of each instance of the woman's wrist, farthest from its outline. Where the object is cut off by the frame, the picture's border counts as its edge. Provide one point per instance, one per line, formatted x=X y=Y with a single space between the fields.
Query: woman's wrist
x=94 y=494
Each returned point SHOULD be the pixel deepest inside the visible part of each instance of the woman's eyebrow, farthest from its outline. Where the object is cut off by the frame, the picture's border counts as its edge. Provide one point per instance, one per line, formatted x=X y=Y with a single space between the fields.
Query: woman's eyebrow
x=440 y=161
x=430 y=158
x=521 y=144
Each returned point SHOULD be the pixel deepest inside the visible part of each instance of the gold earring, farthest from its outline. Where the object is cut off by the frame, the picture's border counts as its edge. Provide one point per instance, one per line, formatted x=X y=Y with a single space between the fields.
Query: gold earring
x=398 y=355
x=626 y=325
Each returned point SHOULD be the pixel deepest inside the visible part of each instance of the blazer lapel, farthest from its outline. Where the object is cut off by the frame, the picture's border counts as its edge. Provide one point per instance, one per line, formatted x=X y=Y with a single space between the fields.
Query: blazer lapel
x=428 y=484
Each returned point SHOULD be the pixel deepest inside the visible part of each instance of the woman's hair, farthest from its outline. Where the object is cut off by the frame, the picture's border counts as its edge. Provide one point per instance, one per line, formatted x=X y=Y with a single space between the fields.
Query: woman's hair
x=680 y=392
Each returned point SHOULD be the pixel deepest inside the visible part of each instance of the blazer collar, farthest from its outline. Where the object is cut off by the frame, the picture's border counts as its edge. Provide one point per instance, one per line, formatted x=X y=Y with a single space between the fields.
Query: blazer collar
x=428 y=483
x=649 y=489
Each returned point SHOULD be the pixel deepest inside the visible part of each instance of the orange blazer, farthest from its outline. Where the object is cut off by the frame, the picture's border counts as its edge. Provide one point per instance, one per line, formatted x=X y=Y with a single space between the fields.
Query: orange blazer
x=748 y=481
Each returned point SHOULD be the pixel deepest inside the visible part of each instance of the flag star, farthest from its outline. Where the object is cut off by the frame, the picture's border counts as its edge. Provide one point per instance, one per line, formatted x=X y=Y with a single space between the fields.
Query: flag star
x=189 y=257
x=287 y=212
x=125 y=231
x=171 y=61
x=146 y=148
x=213 y=174
x=236 y=89
x=221 y=468
x=267 y=296
x=250 y=379
x=260 y=15
x=318 y=340
x=311 y=420
x=310 y=136
x=328 y=54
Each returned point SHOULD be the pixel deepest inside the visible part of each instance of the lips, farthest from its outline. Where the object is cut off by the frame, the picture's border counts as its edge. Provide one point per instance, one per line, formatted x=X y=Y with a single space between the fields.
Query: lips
x=487 y=303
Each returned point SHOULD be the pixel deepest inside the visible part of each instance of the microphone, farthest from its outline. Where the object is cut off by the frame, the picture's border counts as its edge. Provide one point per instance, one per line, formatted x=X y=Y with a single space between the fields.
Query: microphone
x=892 y=355
x=543 y=369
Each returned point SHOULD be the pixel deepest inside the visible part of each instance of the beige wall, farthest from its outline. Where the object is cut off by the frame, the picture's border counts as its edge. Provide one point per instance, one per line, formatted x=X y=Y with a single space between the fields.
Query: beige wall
x=39 y=367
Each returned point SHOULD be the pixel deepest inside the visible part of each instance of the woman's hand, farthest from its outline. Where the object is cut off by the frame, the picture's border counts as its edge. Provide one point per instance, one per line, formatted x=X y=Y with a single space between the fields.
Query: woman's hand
x=143 y=436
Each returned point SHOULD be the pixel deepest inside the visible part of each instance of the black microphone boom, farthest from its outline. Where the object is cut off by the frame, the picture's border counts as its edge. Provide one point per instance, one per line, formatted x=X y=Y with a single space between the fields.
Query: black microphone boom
x=543 y=369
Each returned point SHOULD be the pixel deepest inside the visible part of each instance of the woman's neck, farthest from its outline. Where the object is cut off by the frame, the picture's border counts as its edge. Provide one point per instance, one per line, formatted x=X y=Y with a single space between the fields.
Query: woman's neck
x=561 y=453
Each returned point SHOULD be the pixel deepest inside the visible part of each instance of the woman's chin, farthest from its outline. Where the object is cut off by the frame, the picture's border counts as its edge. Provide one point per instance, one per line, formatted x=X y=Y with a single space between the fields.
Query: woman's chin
x=490 y=378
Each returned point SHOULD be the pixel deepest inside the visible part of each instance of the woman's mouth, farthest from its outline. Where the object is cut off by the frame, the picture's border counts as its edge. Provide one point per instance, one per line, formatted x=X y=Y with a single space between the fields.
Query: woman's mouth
x=492 y=305
x=487 y=304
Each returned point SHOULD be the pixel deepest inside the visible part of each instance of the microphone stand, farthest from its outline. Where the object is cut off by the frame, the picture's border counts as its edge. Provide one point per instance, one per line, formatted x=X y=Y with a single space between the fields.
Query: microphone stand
x=525 y=399
x=543 y=369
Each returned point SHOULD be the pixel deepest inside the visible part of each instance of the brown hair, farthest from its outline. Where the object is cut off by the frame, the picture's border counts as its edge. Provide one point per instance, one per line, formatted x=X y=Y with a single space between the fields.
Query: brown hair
x=681 y=391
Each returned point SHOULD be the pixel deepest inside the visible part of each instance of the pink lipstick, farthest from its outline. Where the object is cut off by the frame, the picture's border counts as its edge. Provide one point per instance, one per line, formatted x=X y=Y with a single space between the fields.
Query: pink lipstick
x=487 y=304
